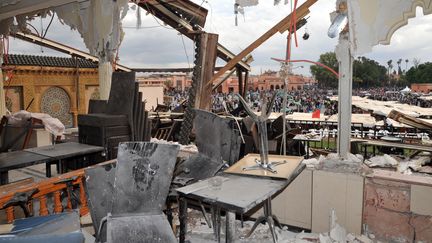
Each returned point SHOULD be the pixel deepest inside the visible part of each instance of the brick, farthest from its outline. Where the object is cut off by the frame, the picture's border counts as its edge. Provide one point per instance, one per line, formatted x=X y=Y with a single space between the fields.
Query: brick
x=387 y=195
x=388 y=225
x=423 y=227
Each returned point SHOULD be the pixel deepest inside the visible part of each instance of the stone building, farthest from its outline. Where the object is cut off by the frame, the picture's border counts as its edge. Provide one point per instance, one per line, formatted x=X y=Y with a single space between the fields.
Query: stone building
x=424 y=88
x=61 y=87
x=177 y=81
x=269 y=80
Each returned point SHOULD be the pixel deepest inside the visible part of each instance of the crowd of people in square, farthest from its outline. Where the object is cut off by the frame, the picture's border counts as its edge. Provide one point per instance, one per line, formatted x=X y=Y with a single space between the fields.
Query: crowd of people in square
x=307 y=100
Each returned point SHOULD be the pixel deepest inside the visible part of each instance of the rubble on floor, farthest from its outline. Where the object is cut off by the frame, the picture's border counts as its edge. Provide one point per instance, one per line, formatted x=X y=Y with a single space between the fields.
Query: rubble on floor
x=404 y=165
x=200 y=232
x=332 y=162
x=382 y=161
x=353 y=164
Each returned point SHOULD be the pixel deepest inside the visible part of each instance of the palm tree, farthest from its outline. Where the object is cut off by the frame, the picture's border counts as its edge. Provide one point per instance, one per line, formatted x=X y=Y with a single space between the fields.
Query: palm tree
x=399 y=66
x=390 y=66
x=406 y=64
x=416 y=62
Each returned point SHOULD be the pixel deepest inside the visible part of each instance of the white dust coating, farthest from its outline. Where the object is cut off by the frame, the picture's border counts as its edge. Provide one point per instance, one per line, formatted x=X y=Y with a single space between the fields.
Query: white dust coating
x=98 y=22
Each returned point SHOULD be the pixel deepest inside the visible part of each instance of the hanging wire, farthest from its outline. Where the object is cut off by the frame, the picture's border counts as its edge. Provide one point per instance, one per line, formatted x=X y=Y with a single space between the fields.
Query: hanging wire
x=184 y=48
x=49 y=25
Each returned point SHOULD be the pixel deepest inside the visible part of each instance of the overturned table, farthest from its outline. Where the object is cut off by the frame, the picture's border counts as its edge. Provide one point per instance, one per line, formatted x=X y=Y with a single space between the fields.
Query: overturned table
x=46 y=154
x=237 y=194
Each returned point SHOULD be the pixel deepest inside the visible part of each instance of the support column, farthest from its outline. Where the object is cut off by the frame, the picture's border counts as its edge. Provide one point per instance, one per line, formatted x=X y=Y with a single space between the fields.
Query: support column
x=246 y=83
x=2 y=92
x=105 y=75
x=206 y=61
x=240 y=82
x=200 y=92
x=345 y=59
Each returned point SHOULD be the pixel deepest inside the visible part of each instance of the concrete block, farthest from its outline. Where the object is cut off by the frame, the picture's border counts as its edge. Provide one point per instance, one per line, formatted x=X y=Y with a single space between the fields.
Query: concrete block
x=341 y=191
x=421 y=200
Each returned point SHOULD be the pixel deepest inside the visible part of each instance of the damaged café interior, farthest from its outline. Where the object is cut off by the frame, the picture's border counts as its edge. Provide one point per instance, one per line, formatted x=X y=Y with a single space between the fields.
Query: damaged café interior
x=85 y=158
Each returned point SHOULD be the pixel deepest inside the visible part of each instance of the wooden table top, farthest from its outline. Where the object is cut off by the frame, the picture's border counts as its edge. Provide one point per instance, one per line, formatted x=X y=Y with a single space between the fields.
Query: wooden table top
x=284 y=171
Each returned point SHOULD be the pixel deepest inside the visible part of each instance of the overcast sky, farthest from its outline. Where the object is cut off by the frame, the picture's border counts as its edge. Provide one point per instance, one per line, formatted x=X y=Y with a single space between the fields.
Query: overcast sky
x=155 y=45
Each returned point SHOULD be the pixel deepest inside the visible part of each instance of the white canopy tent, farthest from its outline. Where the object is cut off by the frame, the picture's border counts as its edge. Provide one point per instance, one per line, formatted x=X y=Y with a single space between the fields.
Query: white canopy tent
x=406 y=90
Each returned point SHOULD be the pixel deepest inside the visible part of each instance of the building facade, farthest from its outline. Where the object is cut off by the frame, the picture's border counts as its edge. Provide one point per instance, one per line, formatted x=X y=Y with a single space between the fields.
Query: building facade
x=177 y=81
x=60 y=87
x=269 y=80
x=424 y=88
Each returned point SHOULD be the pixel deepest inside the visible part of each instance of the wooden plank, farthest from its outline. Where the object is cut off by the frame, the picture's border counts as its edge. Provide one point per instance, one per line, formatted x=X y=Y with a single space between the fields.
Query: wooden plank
x=14 y=185
x=301 y=11
x=409 y=120
x=284 y=171
x=199 y=13
x=186 y=29
x=206 y=62
x=240 y=82
x=167 y=70
x=32 y=38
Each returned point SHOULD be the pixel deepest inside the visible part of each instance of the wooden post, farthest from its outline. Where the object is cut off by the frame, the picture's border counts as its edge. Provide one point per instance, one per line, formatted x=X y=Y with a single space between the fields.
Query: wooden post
x=2 y=92
x=240 y=82
x=246 y=83
x=10 y=214
x=200 y=93
x=57 y=202
x=84 y=208
x=43 y=210
x=206 y=62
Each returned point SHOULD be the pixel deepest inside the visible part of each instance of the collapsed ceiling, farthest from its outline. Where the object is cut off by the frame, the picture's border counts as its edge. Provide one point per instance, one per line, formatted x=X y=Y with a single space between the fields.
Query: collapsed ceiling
x=97 y=21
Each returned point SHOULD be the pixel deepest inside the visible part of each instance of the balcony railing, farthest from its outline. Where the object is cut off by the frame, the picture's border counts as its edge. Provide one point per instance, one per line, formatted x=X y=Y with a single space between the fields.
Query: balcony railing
x=49 y=191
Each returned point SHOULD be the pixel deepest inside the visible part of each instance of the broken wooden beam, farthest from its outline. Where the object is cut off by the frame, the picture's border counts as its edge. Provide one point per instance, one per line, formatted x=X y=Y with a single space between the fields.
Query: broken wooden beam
x=409 y=120
x=282 y=26
x=179 y=24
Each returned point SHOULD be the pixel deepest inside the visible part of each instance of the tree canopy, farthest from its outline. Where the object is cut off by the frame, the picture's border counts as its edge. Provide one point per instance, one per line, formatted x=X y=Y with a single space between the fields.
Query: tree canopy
x=366 y=72
x=325 y=78
x=422 y=73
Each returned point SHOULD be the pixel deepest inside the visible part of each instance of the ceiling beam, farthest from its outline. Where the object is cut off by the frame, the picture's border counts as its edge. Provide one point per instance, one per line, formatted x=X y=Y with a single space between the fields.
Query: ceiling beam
x=32 y=38
x=166 y=70
x=181 y=25
x=28 y=6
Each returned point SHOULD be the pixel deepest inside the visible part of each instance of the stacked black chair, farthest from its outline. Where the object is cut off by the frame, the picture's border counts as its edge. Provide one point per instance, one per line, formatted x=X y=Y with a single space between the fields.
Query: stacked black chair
x=122 y=118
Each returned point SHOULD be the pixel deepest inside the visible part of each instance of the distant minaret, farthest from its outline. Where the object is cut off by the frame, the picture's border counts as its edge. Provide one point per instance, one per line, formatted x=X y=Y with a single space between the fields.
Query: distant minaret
x=261 y=71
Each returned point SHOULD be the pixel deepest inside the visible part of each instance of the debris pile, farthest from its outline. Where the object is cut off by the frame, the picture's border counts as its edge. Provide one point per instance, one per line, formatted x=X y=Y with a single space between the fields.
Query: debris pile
x=404 y=165
x=201 y=232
